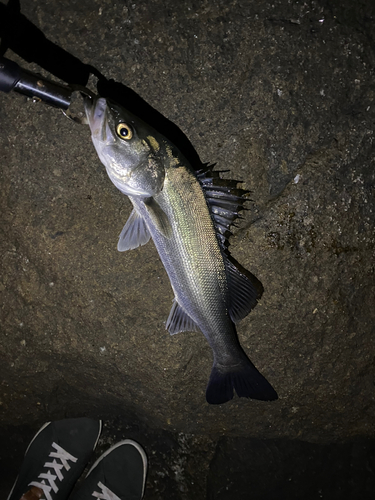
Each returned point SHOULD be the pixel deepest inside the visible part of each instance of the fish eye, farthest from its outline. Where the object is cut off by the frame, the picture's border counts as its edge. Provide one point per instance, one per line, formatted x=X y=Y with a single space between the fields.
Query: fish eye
x=124 y=131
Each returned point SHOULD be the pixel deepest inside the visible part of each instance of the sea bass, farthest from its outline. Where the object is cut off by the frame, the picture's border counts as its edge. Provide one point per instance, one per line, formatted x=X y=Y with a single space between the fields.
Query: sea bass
x=187 y=213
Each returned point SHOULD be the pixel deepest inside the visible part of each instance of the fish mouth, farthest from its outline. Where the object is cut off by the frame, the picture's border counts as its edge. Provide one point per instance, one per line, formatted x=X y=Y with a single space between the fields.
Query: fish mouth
x=96 y=113
x=95 y=109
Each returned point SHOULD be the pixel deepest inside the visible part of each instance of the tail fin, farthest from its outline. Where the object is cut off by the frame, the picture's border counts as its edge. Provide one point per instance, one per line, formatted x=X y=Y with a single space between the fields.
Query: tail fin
x=245 y=379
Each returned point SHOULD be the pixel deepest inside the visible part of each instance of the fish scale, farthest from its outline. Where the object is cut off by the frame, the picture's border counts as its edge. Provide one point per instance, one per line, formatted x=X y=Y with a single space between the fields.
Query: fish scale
x=188 y=215
x=192 y=257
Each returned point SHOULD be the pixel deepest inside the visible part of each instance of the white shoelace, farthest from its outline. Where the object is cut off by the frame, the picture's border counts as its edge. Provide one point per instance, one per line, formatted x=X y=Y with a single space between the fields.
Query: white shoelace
x=105 y=494
x=48 y=479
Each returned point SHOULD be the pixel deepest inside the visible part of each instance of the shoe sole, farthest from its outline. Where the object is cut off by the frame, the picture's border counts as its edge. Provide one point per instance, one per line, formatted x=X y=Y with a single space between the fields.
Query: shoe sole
x=121 y=443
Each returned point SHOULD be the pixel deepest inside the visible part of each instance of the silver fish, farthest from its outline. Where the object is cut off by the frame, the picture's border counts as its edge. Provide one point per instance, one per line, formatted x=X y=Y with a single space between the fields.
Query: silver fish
x=188 y=215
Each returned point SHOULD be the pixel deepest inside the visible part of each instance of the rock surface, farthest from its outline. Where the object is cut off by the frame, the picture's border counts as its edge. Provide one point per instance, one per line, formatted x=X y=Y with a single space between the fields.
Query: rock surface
x=281 y=94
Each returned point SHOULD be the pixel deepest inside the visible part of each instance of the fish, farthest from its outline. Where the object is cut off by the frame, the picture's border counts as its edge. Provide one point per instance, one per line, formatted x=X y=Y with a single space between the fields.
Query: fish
x=188 y=214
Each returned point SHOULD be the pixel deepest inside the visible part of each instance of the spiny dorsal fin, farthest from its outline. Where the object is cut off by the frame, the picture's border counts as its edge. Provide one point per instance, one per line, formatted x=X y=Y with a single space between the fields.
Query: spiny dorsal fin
x=134 y=233
x=179 y=321
x=224 y=199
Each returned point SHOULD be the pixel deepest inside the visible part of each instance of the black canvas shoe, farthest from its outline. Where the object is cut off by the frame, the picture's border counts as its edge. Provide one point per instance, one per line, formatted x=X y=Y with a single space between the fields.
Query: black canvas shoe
x=119 y=474
x=56 y=458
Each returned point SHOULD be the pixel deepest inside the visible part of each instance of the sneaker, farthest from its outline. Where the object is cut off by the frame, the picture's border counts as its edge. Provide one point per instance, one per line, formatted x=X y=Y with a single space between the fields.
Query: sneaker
x=55 y=459
x=119 y=474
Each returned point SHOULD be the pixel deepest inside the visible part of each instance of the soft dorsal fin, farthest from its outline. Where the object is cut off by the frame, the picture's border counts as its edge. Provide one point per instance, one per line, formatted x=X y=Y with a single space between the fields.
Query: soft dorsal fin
x=243 y=291
x=179 y=321
x=134 y=233
x=224 y=199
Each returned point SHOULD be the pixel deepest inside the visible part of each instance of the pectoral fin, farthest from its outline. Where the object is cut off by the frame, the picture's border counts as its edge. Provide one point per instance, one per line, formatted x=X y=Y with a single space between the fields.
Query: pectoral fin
x=179 y=321
x=158 y=217
x=134 y=233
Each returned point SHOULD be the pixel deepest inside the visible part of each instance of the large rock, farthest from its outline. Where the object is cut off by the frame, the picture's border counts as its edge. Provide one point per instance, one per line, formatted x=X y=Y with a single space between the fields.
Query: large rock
x=281 y=94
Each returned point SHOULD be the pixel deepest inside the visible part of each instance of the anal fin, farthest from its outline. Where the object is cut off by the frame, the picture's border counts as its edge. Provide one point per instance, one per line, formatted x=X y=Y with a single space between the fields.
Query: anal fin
x=179 y=321
x=134 y=233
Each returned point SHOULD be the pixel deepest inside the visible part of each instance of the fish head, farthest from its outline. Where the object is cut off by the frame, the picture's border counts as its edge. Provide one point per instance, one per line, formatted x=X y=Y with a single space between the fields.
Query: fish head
x=127 y=147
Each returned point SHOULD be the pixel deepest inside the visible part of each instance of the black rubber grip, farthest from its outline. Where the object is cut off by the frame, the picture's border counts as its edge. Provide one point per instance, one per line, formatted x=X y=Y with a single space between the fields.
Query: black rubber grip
x=13 y=77
x=10 y=73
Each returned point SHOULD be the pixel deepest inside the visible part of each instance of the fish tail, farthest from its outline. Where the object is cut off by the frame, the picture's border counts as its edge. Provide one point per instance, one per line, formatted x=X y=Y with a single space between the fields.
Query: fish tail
x=245 y=379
